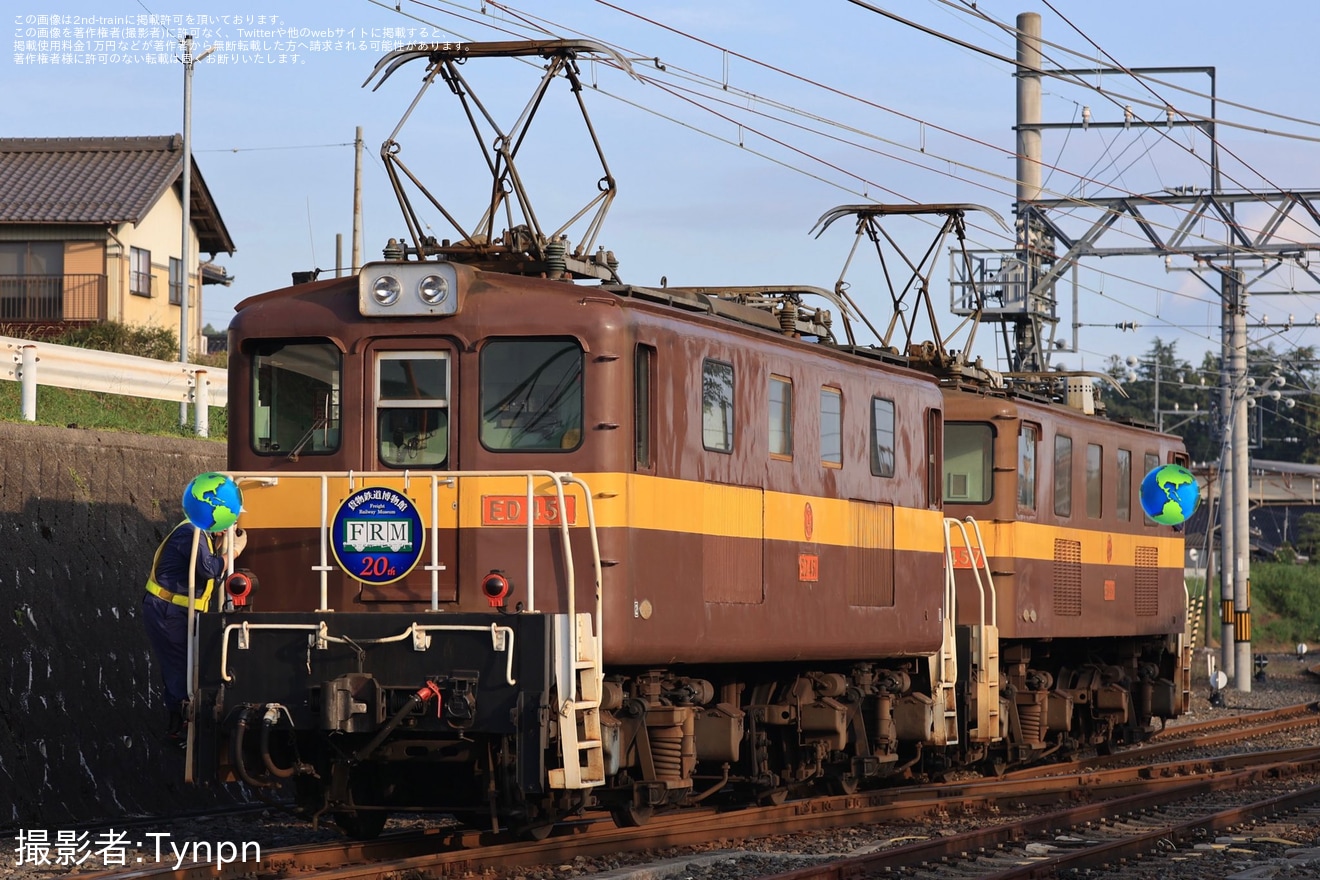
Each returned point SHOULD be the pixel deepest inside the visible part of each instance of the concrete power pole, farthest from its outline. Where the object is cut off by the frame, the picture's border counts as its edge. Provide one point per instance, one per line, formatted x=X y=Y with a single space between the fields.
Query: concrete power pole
x=1236 y=294
x=185 y=256
x=1227 y=557
x=1029 y=355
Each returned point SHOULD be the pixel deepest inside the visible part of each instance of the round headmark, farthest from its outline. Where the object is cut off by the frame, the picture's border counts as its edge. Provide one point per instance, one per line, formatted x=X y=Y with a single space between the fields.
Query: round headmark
x=377 y=535
x=212 y=502
x=1170 y=494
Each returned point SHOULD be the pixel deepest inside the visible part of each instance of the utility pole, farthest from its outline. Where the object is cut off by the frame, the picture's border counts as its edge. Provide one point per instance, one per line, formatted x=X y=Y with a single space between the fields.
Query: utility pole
x=1236 y=294
x=357 y=200
x=1227 y=515
x=185 y=256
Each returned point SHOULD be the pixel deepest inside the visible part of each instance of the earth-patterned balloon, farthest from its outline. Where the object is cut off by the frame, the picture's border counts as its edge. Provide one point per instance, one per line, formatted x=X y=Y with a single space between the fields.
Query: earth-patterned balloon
x=1169 y=494
x=212 y=502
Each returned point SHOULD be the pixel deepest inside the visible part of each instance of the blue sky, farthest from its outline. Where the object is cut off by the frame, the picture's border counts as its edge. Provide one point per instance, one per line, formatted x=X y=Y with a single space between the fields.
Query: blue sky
x=702 y=199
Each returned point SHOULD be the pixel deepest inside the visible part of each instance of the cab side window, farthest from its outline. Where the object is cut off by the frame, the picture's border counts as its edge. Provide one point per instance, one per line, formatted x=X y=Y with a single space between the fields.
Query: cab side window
x=717 y=405
x=1063 y=476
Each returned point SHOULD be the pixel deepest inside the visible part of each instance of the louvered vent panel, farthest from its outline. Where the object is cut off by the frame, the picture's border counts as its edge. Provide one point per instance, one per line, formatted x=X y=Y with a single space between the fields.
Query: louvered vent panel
x=871 y=555
x=1067 y=578
x=731 y=567
x=1146 y=578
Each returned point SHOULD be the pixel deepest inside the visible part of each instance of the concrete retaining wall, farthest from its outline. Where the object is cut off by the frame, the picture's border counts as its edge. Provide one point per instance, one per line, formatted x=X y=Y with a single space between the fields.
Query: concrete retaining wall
x=81 y=514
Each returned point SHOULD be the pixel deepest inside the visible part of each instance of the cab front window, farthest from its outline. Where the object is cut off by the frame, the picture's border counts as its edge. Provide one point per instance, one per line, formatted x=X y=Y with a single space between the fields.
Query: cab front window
x=531 y=394
x=295 y=398
x=412 y=409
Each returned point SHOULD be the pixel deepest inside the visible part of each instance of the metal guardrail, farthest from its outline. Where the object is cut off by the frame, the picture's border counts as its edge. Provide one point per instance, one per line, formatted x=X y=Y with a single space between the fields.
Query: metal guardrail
x=65 y=366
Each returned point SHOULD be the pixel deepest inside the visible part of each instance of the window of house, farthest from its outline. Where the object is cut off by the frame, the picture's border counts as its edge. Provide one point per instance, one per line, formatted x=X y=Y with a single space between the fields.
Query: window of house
x=831 y=427
x=531 y=394
x=176 y=281
x=139 y=272
x=1123 y=501
x=295 y=398
x=781 y=417
x=1062 y=475
x=717 y=406
x=643 y=367
x=1028 y=439
x=968 y=453
x=882 y=437
x=1095 y=486
x=42 y=258
x=31 y=280
x=412 y=409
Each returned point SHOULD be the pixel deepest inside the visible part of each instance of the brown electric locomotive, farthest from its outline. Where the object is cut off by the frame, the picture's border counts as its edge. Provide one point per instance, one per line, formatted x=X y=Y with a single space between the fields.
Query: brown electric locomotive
x=527 y=540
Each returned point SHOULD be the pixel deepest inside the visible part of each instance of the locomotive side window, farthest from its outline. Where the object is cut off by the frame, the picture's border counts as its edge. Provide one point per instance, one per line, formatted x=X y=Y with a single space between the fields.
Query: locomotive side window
x=1028 y=438
x=781 y=417
x=643 y=367
x=1123 y=503
x=295 y=398
x=882 y=437
x=831 y=427
x=412 y=409
x=1150 y=461
x=1062 y=475
x=717 y=406
x=1094 y=480
x=531 y=394
x=968 y=453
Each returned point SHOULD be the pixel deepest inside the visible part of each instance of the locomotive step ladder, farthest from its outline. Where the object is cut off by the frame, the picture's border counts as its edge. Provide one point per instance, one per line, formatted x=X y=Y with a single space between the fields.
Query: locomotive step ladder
x=578 y=673
x=984 y=637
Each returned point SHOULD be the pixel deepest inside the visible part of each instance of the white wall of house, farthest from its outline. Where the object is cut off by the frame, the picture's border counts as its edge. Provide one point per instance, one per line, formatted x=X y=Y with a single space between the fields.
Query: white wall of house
x=160 y=233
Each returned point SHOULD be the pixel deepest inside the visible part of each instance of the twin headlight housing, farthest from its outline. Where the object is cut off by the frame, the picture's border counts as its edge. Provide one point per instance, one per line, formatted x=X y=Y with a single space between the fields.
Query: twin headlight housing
x=404 y=289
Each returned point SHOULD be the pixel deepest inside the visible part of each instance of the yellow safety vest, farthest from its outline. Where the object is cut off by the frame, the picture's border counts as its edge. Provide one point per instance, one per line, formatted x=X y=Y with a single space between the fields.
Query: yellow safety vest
x=179 y=599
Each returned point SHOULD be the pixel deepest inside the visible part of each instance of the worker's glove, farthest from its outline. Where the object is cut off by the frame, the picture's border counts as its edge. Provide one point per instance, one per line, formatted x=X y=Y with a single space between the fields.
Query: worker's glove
x=238 y=539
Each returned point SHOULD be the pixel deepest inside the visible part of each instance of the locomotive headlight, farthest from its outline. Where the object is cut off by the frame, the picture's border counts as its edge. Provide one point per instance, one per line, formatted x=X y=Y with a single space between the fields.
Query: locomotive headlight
x=386 y=290
x=413 y=288
x=433 y=290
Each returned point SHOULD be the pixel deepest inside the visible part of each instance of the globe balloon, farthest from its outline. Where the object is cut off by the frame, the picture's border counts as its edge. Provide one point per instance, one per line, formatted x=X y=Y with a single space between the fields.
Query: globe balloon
x=212 y=502
x=1170 y=494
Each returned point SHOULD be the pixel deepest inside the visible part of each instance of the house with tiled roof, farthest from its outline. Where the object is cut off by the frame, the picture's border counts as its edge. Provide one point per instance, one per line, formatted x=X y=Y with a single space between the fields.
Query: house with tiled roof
x=91 y=230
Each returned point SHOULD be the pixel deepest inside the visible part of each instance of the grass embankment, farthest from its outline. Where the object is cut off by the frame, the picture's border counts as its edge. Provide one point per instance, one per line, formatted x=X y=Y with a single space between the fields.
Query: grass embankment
x=110 y=412
x=1285 y=605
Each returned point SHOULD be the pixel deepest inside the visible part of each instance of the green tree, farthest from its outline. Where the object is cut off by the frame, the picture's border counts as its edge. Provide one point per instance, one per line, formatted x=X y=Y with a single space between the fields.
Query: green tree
x=1308 y=536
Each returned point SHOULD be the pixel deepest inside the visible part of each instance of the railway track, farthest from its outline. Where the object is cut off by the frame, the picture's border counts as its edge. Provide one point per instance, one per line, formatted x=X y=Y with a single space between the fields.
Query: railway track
x=1097 y=791
x=1165 y=819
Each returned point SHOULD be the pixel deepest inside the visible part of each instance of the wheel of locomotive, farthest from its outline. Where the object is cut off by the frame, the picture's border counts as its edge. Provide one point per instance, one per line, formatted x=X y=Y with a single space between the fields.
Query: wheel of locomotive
x=362 y=824
x=631 y=815
x=534 y=831
x=842 y=784
x=365 y=787
x=772 y=798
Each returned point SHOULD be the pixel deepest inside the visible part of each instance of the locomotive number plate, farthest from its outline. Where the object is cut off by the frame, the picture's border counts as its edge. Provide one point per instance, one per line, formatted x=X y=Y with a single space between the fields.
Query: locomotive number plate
x=962 y=558
x=511 y=510
x=808 y=567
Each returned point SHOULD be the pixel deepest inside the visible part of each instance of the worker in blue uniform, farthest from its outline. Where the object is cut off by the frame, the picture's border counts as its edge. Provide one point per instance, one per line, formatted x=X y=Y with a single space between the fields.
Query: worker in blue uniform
x=165 y=607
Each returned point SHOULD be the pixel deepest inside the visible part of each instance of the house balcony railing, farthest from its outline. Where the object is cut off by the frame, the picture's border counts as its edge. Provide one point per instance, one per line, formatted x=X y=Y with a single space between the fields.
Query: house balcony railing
x=27 y=299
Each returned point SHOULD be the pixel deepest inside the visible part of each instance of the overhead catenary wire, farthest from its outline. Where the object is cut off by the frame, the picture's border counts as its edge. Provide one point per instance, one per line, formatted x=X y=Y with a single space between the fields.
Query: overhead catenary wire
x=543 y=26
x=742 y=144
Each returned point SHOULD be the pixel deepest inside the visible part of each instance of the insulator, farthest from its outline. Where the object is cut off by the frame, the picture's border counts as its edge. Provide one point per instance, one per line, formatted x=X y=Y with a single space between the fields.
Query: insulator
x=555 y=263
x=787 y=317
x=393 y=250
